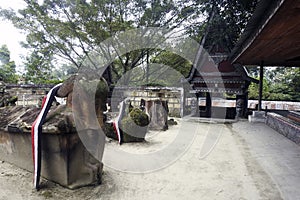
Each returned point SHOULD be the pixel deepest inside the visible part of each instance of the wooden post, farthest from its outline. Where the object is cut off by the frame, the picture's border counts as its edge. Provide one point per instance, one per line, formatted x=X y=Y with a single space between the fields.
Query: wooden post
x=147 y=69
x=182 y=102
x=261 y=77
x=197 y=106
x=208 y=104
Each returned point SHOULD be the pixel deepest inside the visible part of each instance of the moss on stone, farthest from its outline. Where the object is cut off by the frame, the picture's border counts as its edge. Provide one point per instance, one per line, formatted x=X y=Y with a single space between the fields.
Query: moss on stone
x=109 y=131
x=139 y=117
x=134 y=126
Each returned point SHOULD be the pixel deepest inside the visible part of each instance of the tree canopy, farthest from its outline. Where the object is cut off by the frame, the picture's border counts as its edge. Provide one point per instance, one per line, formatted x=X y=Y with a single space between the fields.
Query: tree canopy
x=7 y=67
x=224 y=22
x=280 y=83
x=71 y=29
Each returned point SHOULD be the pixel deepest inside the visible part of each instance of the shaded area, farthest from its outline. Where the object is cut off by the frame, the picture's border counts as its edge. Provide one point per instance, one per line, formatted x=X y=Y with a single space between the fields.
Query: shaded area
x=272 y=35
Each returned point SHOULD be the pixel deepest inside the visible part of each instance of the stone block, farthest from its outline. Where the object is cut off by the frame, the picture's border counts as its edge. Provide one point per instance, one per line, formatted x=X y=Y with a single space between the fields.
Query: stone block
x=284 y=126
x=257 y=116
x=64 y=158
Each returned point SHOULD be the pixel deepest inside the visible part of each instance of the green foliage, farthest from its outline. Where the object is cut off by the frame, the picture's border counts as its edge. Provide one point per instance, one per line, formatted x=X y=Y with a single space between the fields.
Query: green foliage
x=254 y=88
x=156 y=75
x=280 y=83
x=139 y=117
x=7 y=67
x=134 y=126
x=285 y=82
x=229 y=19
x=4 y=54
x=72 y=29
x=38 y=67
x=175 y=61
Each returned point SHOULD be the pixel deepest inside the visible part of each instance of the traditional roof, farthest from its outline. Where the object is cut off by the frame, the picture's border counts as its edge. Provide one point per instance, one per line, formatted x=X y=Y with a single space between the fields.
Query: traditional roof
x=272 y=36
x=221 y=78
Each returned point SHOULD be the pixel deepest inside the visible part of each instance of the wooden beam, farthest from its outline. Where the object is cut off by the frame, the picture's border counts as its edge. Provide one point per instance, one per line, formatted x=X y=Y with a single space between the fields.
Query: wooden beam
x=261 y=77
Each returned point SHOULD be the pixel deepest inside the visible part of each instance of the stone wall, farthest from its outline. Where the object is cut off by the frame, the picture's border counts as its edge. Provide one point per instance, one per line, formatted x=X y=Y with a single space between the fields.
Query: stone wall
x=28 y=94
x=171 y=95
x=284 y=126
x=275 y=105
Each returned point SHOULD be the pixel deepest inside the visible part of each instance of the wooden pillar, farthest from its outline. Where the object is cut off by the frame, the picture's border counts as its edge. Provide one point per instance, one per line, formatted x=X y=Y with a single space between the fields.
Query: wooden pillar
x=241 y=105
x=182 y=102
x=245 y=110
x=147 y=68
x=208 y=104
x=261 y=77
x=197 y=106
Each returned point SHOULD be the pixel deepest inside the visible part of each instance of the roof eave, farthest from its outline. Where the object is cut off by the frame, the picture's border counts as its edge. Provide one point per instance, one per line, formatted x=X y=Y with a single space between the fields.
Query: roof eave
x=264 y=11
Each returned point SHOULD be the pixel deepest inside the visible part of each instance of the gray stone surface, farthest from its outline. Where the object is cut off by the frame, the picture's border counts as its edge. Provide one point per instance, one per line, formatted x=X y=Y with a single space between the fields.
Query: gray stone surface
x=248 y=161
x=257 y=116
x=64 y=158
x=278 y=156
x=287 y=127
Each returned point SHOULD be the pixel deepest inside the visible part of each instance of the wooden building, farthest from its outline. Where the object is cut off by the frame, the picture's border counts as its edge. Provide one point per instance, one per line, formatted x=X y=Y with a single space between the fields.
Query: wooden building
x=271 y=37
x=210 y=80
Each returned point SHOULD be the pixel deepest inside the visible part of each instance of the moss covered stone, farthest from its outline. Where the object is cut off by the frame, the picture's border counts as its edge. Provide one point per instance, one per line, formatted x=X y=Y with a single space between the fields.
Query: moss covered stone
x=134 y=126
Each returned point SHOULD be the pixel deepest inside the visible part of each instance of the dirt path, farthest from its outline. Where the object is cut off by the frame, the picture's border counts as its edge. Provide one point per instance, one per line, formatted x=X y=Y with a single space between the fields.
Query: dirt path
x=227 y=172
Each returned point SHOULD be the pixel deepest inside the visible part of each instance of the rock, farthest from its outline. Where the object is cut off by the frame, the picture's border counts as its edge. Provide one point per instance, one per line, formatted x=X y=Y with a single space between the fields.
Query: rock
x=67 y=87
x=172 y=122
x=109 y=131
x=158 y=112
x=134 y=126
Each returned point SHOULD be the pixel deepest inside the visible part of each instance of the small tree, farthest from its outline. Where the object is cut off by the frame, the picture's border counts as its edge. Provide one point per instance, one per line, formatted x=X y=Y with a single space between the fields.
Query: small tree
x=7 y=67
x=73 y=29
x=38 y=67
x=280 y=83
x=253 y=90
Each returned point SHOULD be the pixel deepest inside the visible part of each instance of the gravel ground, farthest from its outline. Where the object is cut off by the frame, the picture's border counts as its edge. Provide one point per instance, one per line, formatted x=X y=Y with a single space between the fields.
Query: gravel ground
x=228 y=171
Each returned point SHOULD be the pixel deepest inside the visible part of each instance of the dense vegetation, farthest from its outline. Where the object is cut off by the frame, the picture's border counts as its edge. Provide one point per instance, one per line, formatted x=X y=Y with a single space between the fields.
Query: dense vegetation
x=61 y=34
x=70 y=29
x=280 y=83
x=7 y=67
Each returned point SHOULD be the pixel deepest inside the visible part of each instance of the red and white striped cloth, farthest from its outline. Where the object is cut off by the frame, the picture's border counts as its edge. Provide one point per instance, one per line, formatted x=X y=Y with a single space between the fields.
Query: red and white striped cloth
x=36 y=133
x=117 y=122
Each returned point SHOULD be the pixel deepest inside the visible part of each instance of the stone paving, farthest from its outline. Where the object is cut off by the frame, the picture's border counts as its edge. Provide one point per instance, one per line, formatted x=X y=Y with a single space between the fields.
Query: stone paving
x=278 y=156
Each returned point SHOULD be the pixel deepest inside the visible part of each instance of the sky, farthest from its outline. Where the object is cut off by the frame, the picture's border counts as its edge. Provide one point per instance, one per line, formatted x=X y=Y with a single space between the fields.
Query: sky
x=11 y=36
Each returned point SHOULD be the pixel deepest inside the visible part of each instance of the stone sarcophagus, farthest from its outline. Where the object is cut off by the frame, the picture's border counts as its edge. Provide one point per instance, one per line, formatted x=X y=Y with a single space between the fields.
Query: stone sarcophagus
x=65 y=159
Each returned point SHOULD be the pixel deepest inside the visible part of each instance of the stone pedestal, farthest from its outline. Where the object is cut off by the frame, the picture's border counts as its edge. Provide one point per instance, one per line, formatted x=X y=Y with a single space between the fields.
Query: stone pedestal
x=257 y=116
x=65 y=159
x=158 y=112
x=286 y=126
x=241 y=106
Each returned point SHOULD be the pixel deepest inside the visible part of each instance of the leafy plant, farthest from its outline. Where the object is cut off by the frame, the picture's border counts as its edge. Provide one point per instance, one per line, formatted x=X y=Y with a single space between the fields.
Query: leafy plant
x=7 y=67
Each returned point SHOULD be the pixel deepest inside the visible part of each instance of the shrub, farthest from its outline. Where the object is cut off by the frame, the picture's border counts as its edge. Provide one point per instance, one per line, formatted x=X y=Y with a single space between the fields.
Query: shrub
x=134 y=126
